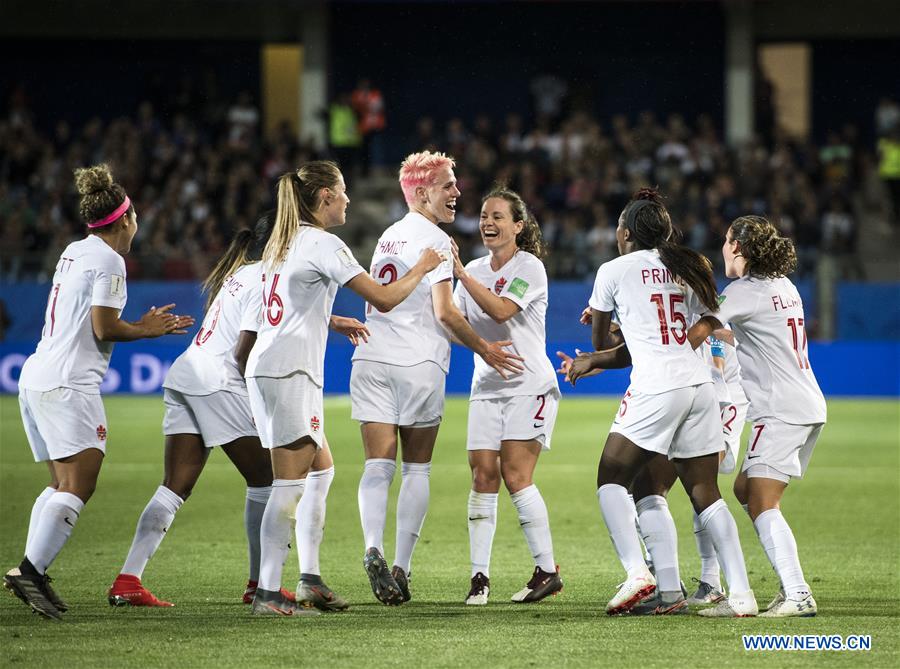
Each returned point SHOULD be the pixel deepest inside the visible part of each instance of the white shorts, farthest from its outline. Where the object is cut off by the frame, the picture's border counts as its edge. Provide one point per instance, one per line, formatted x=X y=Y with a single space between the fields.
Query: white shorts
x=680 y=423
x=406 y=396
x=219 y=418
x=733 y=417
x=62 y=422
x=286 y=409
x=519 y=418
x=775 y=447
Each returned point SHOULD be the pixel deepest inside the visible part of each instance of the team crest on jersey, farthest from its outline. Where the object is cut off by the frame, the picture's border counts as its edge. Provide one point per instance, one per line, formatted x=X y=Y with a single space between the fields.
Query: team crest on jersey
x=314 y=423
x=498 y=287
x=101 y=432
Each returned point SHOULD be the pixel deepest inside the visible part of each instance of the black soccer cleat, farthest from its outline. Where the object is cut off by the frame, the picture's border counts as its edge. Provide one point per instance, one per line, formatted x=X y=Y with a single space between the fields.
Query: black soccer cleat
x=30 y=589
x=384 y=587
x=542 y=584
x=402 y=579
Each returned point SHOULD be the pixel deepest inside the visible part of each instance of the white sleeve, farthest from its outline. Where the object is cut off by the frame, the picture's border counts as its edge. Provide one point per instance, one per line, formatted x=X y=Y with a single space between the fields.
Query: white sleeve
x=251 y=308
x=335 y=261
x=109 y=282
x=735 y=305
x=527 y=284
x=602 y=298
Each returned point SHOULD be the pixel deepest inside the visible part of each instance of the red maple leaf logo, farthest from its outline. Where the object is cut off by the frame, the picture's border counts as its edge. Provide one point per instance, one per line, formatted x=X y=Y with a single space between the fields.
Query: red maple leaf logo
x=498 y=287
x=314 y=423
x=101 y=432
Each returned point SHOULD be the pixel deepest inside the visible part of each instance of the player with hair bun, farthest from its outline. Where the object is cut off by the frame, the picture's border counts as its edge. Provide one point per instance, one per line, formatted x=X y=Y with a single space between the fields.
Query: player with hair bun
x=787 y=408
x=504 y=296
x=59 y=387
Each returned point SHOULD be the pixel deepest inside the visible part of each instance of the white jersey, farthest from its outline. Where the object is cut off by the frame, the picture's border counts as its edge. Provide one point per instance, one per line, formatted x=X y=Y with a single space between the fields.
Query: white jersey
x=89 y=274
x=208 y=364
x=297 y=298
x=653 y=311
x=410 y=333
x=522 y=280
x=767 y=318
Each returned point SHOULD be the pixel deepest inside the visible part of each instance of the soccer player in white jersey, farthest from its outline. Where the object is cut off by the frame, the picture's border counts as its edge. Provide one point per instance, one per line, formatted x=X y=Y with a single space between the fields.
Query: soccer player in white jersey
x=303 y=267
x=59 y=388
x=397 y=382
x=670 y=410
x=787 y=408
x=504 y=296
x=207 y=406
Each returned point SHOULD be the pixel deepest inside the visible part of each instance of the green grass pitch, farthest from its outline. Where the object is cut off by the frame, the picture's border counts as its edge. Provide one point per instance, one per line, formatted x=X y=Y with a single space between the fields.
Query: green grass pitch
x=844 y=515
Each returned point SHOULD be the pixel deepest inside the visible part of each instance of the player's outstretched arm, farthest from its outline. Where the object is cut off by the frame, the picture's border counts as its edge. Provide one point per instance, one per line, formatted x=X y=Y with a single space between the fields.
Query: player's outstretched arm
x=458 y=327
x=156 y=322
x=386 y=297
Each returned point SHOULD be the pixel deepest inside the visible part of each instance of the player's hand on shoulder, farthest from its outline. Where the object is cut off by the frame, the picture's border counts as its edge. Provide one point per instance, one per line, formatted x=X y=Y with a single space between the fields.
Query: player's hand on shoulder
x=430 y=259
x=503 y=362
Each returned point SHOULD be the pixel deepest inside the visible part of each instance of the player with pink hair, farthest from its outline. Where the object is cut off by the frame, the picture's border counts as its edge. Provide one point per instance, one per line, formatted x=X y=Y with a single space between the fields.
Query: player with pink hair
x=397 y=383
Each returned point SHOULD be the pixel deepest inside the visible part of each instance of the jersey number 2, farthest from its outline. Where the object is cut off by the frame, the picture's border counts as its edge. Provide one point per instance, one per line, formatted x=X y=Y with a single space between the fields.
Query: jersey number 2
x=387 y=274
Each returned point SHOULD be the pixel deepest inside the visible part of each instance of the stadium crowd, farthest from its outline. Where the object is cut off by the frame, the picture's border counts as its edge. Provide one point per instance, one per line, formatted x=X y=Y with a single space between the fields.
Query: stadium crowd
x=202 y=171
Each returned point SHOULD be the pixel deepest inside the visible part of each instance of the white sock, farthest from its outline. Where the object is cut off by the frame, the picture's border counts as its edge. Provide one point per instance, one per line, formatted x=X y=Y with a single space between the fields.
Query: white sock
x=717 y=519
x=709 y=563
x=58 y=518
x=482 y=524
x=661 y=539
x=311 y=519
x=151 y=528
x=535 y=524
x=781 y=548
x=276 y=530
x=412 y=505
x=637 y=526
x=36 y=513
x=254 y=508
x=620 y=517
x=374 y=486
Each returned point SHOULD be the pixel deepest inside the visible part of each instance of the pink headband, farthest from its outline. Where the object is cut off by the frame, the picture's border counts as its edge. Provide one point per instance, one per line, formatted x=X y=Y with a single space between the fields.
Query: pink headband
x=114 y=216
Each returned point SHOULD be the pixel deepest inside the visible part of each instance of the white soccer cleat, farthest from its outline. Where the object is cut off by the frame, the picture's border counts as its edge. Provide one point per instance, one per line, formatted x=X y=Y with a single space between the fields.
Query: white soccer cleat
x=737 y=605
x=790 y=608
x=705 y=594
x=631 y=592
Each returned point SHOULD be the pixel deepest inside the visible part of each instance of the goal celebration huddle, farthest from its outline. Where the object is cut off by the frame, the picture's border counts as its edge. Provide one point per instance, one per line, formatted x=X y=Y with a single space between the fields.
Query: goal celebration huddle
x=251 y=379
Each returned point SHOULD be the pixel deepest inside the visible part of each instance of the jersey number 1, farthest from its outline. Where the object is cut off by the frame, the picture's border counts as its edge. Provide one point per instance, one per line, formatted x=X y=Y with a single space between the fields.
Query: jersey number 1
x=674 y=316
x=798 y=341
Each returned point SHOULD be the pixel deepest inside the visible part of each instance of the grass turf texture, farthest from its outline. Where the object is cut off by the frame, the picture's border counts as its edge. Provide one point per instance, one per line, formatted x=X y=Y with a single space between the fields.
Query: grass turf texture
x=844 y=516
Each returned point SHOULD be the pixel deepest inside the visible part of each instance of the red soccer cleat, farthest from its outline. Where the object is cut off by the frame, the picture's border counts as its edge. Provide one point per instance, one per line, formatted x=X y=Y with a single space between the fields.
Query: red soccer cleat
x=127 y=590
x=250 y=593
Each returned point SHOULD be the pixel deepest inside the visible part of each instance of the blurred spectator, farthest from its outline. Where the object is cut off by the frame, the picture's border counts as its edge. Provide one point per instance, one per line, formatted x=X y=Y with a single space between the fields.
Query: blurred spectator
x=889 y=169
x=5 y=320
x=343 y=134
x=369 y=106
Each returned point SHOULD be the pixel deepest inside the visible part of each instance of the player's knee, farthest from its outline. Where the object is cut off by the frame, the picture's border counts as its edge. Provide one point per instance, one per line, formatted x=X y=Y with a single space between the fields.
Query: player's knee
x=485 y=480
x=516 y=480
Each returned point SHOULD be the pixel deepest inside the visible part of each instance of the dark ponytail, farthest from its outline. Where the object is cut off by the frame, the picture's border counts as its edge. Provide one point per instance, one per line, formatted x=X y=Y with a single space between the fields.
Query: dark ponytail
x=648 y=220
x=246 y=247
x=235 y=257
